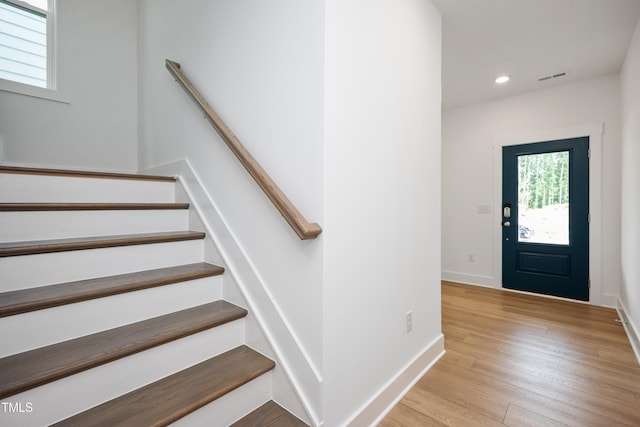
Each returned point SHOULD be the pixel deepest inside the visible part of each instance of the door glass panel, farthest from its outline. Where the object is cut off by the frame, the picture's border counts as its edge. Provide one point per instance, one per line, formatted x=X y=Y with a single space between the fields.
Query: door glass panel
x=543 y=198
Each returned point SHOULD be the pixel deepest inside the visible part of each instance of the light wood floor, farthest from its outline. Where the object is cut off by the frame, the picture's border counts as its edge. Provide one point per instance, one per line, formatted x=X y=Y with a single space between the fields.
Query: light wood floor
x=521 y=360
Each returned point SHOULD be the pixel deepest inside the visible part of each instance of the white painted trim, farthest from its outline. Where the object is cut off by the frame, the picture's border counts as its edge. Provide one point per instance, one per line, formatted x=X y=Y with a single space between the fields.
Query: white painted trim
x=52 y=49
x=633 y=333
x=34 y=91
x=606 y=300
x=373 y=412
x=594 y=131
x=290 y=355
x=51 y=92
x=468 y=279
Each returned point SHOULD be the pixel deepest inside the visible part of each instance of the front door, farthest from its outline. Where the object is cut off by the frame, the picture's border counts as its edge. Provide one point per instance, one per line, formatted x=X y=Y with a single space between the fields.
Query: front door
x=545 y=218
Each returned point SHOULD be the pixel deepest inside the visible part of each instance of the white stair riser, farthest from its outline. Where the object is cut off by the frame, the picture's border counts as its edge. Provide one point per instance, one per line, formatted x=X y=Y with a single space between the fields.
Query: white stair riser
x=22 y=226
x=28 y=271
x=17 y=188
x=232 y=406
x=55 y=401
x=58 y=400
x=35 y=329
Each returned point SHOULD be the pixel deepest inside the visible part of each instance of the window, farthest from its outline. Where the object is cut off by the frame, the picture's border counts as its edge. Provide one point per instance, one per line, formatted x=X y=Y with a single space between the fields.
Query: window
x=26 y=42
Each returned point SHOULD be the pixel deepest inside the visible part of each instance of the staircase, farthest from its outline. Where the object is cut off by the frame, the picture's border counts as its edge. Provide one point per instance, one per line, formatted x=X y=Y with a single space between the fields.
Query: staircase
x=109 y=315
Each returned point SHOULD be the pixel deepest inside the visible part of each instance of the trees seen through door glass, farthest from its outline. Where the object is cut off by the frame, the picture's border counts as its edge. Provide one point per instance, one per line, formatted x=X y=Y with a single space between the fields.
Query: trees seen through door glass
x=543 y=198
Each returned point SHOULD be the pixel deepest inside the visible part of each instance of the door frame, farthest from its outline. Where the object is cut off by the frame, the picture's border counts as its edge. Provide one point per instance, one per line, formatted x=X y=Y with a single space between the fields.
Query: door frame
x=539 y=266
x=595 y=132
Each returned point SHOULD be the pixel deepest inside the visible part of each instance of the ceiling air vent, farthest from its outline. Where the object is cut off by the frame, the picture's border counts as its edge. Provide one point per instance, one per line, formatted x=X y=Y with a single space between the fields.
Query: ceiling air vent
x=552 y=76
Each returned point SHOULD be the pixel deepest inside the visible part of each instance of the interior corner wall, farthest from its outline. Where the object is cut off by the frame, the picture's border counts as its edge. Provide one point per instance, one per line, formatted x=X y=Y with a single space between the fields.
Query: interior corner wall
x=468 y=137
x=97 y=73
x=630 y=211
x=381 y=197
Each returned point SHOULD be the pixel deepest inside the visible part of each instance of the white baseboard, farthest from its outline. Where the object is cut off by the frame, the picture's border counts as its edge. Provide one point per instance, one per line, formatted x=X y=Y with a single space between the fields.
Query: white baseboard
x=606 y=300
x=603 y=300
x=469 y=279
x=384 y=400
x=631 y=329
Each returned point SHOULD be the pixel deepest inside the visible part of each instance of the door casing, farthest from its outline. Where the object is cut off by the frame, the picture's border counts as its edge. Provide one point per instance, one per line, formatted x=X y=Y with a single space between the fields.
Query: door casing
x=551 y=269
x=595 y=132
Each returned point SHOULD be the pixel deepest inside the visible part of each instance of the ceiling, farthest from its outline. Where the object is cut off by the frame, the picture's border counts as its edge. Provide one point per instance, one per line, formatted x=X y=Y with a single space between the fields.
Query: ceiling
x=527 y=40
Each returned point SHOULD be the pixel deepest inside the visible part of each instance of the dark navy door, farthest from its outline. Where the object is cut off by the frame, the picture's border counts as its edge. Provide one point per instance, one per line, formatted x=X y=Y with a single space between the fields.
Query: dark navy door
x=545 y=218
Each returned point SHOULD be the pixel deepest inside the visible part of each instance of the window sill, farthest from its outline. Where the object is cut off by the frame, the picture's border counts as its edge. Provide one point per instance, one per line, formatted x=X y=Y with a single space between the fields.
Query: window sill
x=34 y=91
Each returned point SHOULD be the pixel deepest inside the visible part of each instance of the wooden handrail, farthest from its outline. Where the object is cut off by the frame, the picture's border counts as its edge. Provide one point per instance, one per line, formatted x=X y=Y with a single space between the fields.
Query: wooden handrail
x=304 y=229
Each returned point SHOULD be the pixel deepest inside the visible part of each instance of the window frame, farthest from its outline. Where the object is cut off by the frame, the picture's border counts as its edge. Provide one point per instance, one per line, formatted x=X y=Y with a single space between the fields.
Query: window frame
x=52 y=91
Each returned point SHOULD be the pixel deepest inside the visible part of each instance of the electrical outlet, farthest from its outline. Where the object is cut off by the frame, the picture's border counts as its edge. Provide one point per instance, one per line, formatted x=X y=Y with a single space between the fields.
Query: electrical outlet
x=409 y=321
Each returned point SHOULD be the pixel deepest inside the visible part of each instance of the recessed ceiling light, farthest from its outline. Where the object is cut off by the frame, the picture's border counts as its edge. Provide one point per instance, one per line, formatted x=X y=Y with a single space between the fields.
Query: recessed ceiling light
x=502 y=79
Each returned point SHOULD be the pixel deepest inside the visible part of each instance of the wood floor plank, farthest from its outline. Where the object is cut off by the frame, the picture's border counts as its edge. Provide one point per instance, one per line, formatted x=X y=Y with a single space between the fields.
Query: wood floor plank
x=36 y=367
x=556 y=386
x=541 y=403
x=446 y=411
x=25 y=300
x=270 y=415
x=624 y=358
x=538 y=361
x=461 y=358
x=171 y=398
x=97 y=242
x=404 y=416
x=582 y=370
x=502 y=390
x=520 y=417
x=470 y=398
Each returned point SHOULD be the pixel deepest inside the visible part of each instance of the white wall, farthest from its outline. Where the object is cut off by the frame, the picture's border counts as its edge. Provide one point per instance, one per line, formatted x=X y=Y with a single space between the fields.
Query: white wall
x=260 y=66
x=630 y=257
x=381 y=198
x=96 y=128
x=342 y=108
x=469 y=168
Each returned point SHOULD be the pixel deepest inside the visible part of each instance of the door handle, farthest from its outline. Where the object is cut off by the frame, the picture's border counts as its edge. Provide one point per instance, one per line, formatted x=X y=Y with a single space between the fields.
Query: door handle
x=506 y=210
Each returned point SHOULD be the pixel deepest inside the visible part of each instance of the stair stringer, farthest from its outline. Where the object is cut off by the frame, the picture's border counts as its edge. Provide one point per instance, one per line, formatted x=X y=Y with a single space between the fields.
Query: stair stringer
x=297 y=382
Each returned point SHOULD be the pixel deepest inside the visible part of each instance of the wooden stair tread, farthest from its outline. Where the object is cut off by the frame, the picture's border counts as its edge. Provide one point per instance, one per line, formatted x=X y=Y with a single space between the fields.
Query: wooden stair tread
x=25 y=300
x=270 y=415
x=169 y=399
x=28 y=207
x=23 y=371
x=83 y=174
x=72 y=244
